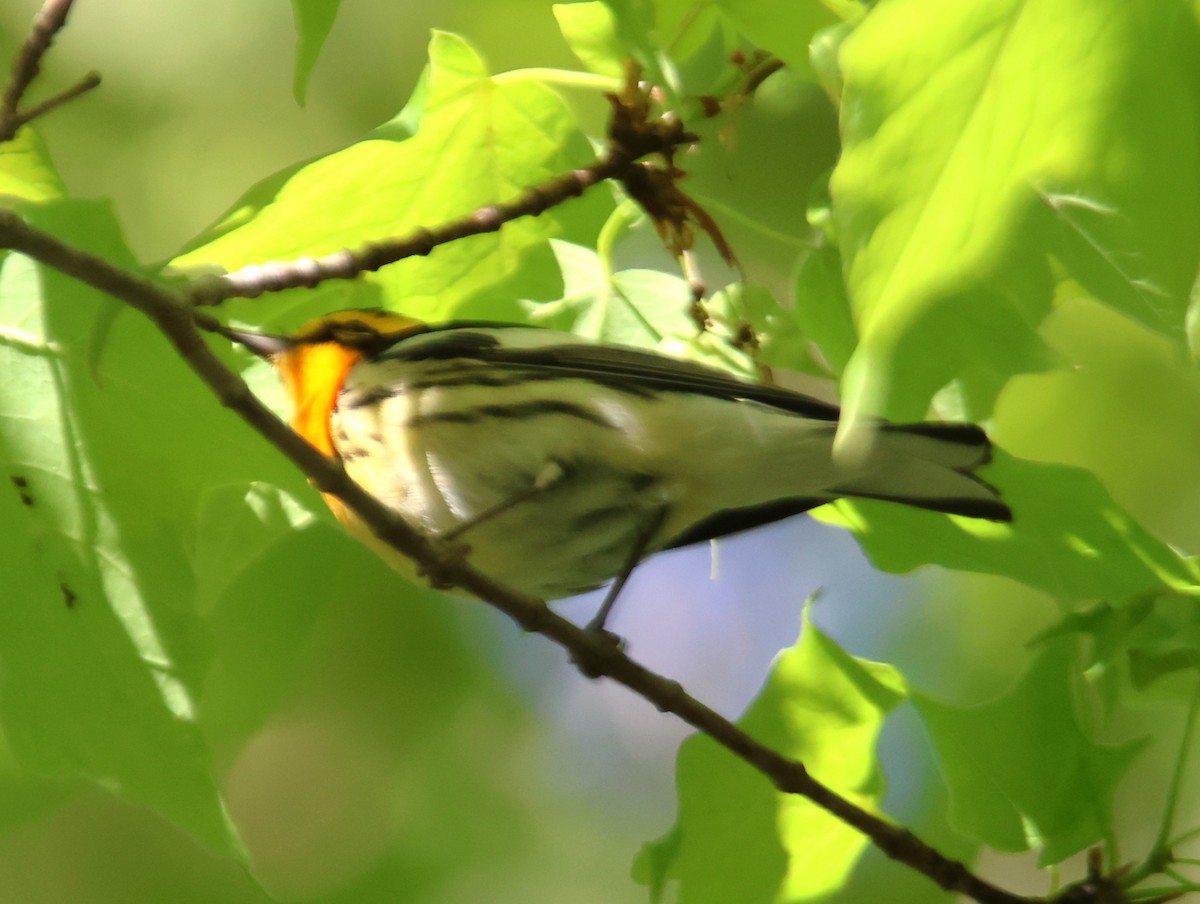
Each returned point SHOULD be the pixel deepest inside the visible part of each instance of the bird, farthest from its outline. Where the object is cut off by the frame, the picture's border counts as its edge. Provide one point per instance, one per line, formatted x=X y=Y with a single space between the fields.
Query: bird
x=561 y=463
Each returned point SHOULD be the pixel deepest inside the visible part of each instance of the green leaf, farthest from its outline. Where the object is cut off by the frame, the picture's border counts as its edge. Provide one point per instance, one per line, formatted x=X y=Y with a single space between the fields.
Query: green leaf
x=28 y=797
x=1145 y=640
x=1067 y=536
x=783 y=27
x=652 y=865
x=235 y=527
x=738 y=839
x=1160 y=637
x=314 y=21
x=634 y=307
x=781 y=341
x=590 y=30
x=26 y=171
x=822 y=308
x=1021 y=771
x=954 y=132
x=98 y=640
x=262 y=616
x=480 y=140
x=683 y=27
x=1080 y=233
x=652 y=309
x=1146 y=667
x=105 y=464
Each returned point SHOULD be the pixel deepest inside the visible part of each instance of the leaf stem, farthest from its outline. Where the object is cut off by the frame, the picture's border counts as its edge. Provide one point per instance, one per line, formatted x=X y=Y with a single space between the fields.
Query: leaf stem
x=623 y=216
x=619 y=221
x=1177 y=774
x=1160 y=856
x=566 y=78
x=10 y=335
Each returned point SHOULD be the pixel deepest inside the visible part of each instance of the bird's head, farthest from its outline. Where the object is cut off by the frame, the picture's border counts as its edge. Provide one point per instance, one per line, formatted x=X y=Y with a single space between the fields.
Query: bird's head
x=313 y=361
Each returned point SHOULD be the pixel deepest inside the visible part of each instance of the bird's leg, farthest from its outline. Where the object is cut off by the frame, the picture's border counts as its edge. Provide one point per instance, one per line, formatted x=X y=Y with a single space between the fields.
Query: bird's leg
x=641 y=543
x=550 y=474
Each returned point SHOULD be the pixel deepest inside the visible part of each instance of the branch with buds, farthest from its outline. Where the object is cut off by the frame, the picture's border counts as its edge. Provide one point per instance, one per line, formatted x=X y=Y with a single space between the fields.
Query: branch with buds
x=173 y=313
x=633 y=135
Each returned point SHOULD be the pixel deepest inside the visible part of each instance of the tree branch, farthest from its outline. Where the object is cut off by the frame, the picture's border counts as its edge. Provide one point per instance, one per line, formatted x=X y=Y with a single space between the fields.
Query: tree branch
x=89 y=81
x=306 y=272
x=633 y=133
x=48 y=21
x=171 y=310
x=174 y=311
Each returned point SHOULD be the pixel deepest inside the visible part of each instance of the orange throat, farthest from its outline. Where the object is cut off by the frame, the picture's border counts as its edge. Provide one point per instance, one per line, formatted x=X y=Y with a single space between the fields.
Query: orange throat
x=313 y=376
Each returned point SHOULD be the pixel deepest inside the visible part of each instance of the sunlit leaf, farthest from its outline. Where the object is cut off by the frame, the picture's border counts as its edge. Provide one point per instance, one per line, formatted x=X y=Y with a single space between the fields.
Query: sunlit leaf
x=590 y=31
x=632 y=307
x=480 y=140
x=1079 y=231
x=950 y=134
x=652 y=309
x=1067 y=536
x=736 y=837
x=785 y=28
x=684 y=26
x=26 y=170
x=100 y=648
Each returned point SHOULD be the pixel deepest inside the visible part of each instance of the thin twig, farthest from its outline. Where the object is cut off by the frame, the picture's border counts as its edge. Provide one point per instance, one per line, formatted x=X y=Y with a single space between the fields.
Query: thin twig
x=305 y=272
x=89 y=81
x=760 y=73
x=174 y=315
x=633 y=133
x=174 y=312
x=48 y=21
x=753 y=72
x=1161 y=853
x=1175 y=789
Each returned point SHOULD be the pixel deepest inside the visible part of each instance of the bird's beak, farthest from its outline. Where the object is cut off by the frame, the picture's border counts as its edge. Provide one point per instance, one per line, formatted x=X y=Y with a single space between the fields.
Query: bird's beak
x=262 y=344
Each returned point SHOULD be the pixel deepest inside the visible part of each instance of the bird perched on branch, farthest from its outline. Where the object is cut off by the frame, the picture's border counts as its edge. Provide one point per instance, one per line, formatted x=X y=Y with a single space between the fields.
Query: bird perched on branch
x=560 y=464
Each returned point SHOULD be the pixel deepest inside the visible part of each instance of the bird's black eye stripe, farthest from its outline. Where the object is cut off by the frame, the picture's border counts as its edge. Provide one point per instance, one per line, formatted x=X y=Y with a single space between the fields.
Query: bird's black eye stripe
x=456 y=344
x=353 y=329
x=356 y=333
x=360 y=335
x=348 y=332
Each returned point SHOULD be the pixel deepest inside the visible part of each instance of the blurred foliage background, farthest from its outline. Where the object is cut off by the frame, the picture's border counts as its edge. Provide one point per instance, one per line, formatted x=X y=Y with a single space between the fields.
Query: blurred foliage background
x=428 y=752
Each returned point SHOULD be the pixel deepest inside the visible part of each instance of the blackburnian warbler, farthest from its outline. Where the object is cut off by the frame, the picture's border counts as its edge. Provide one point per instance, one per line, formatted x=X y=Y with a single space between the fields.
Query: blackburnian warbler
x=562 y=463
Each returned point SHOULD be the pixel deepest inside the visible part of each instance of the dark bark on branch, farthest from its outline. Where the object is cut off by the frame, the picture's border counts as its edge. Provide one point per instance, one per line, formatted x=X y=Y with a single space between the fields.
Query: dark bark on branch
x=633 y=134
x=46 y=24
x=306 y=272
x=180 y=323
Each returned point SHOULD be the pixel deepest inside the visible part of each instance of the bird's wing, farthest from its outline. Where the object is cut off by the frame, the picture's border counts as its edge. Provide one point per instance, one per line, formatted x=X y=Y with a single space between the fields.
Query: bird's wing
x=630 y=369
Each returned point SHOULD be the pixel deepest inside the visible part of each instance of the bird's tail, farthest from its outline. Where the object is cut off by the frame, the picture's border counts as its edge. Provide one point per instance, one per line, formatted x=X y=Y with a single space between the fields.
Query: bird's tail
x=930 y=466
